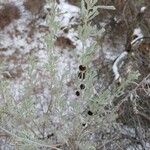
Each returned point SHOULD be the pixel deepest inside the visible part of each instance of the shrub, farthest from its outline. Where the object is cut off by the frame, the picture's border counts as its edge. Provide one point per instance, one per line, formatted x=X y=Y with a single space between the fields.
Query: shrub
x=80 y=123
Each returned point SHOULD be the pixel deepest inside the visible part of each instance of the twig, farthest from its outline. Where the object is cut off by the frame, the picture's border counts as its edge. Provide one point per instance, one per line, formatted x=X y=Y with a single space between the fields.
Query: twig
x=116 y=63
x=138 y=39
x=143 y=115
x=30 y=141
x=121 y=58
x=125 y=99
x=107 y=7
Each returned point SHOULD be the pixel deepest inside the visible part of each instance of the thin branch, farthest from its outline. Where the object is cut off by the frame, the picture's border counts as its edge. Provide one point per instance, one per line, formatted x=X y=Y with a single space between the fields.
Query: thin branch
x=143 y=115
x=126 y=98
x=116 y=63
x=138 y=39
x=30 y=141
x=107 y=7
x=121 y=57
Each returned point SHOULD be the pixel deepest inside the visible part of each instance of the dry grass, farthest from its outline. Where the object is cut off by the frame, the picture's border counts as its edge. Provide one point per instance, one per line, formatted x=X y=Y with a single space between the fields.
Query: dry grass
x=34 y=6
x=8 y=13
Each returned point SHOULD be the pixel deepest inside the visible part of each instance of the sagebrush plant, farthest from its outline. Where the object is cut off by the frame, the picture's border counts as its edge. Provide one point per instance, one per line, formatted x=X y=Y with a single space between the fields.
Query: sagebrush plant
x=26 y=128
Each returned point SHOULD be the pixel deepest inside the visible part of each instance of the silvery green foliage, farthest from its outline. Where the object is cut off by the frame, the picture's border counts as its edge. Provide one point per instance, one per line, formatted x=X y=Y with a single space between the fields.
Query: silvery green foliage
x=21 y=121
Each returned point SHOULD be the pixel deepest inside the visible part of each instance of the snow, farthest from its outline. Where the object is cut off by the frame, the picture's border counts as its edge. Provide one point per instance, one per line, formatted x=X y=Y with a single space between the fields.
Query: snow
x=143 y=9
x=137 y=32
x=42 y=55
x=18 y=41
x=21 y=45
x=69 y=13
x=17 y=90
x=8 y=53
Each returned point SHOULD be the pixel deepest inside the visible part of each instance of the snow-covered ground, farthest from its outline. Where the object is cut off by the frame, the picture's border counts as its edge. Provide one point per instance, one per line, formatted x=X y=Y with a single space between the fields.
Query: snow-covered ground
x=25 y=36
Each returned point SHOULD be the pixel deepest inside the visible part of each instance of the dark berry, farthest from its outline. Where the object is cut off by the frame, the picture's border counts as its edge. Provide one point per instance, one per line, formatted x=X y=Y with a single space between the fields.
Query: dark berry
x=82 y=86
x=90 y=113
x=65 y=30
x=83 y=124
x=82 y=68
x=50 y=135
x=135 y=36
x=80 y=75
x=77 y=93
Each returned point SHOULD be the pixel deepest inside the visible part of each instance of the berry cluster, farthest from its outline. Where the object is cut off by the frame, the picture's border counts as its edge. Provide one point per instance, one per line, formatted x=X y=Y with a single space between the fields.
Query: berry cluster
x=81 y=76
